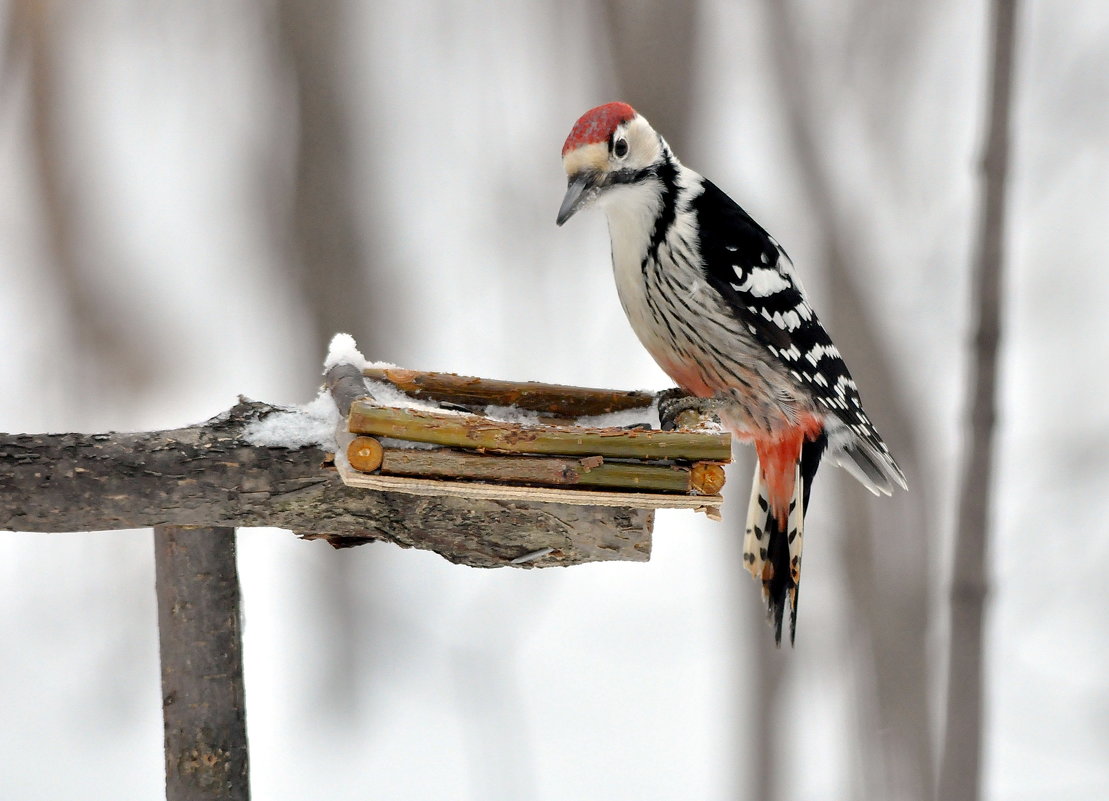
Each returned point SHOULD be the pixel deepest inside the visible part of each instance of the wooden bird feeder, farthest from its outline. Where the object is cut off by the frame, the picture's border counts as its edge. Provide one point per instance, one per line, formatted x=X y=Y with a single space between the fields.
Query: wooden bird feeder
x=456 y=445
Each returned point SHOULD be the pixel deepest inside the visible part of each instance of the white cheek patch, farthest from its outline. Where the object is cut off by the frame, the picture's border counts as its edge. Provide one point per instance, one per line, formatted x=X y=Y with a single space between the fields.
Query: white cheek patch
x=643 y=143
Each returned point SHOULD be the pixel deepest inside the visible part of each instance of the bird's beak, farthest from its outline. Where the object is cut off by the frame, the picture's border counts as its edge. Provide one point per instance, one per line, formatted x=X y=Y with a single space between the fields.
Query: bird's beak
x=581 y=191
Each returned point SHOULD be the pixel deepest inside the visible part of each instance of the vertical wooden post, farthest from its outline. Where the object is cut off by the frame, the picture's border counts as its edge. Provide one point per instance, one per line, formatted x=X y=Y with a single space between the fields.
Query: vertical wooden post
x=203 y=704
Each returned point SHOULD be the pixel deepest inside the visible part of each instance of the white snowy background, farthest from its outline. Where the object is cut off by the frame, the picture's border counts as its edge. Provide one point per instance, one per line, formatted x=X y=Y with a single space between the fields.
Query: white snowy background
x=389 y=674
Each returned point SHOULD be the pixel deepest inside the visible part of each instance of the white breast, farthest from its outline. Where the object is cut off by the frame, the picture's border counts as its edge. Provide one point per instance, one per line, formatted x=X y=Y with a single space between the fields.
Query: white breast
x=631 y=212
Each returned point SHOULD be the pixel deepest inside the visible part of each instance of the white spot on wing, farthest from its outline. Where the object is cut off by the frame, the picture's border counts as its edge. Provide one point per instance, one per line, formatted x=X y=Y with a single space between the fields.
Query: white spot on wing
x=819 y=352
x=764 y=281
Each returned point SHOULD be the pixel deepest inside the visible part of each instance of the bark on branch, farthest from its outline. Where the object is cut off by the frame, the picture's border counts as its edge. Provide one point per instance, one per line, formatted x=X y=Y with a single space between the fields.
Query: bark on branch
x=199 y=631
x=206 y=475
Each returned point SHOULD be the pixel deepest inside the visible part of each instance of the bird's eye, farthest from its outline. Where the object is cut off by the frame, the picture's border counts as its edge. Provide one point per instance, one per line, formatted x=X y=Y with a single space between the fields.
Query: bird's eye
x=620 y=149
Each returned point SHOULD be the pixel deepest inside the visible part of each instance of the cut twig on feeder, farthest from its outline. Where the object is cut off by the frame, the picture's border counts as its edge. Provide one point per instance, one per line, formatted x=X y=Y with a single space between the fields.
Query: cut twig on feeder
x=549 y=399
x=480 y=433
x=367 y=455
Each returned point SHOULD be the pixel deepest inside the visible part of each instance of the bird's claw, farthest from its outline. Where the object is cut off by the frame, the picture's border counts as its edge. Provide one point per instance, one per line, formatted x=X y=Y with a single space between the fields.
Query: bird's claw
x=672 y=403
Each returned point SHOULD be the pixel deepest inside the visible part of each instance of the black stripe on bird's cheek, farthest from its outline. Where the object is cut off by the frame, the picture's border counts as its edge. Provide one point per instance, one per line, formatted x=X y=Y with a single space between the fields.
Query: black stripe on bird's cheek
x=629 y=176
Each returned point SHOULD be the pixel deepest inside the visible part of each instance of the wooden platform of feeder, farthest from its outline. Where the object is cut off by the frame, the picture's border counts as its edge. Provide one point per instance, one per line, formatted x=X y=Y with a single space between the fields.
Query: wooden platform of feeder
x=709 y=504
x=473 y=456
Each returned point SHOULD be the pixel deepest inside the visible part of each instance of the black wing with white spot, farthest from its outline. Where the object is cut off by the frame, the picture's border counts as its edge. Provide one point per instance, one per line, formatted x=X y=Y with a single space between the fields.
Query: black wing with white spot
x=754 y=275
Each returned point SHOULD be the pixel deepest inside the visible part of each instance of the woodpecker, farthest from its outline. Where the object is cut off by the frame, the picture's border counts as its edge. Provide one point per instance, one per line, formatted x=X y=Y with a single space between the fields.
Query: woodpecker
x=718 y=304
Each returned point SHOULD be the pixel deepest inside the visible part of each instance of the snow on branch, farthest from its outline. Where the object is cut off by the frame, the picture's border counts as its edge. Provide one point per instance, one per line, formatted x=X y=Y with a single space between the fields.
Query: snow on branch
x=483 y=472
x=212 y=474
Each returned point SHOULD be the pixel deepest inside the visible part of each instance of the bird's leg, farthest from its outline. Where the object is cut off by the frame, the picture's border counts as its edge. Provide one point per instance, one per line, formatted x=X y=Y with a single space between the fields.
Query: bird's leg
x=675 y=402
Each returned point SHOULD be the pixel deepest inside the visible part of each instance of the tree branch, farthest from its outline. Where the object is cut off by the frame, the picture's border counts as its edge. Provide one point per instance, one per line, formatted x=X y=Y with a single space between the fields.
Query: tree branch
x=207 y=475
x=885 y=547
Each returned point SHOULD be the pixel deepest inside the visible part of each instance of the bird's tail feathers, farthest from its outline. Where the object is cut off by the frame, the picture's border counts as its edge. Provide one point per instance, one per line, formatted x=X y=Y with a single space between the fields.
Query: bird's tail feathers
x=773 y=542
x=866 y=458
x=772 y=552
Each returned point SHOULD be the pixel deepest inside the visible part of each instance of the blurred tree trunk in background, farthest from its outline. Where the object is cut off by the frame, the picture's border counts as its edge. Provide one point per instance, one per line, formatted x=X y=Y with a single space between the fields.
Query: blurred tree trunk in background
x=331 y=253
x=654 y=50
x=960 y=769
x=104 y=360
x=769 y=760
x=886 y=550
x=330 y=259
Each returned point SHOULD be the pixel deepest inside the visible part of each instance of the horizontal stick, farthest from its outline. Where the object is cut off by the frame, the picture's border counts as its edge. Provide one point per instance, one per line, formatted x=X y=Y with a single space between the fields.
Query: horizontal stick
x=704 y=478
x=479 y=433
x=707 y=478
x=365 y=454
x=552 y=399
x=207 y=475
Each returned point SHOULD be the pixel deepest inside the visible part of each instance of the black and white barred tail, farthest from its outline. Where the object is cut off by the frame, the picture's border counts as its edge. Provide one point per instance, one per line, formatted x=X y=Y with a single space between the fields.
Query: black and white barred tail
x=773 y=555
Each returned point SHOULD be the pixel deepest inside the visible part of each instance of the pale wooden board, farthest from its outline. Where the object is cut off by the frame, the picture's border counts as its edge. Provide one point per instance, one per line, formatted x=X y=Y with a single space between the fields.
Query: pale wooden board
x=709 y=504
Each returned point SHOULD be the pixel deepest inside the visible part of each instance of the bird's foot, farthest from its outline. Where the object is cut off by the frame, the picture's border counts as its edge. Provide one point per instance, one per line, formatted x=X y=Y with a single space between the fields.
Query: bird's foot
x=678 y=409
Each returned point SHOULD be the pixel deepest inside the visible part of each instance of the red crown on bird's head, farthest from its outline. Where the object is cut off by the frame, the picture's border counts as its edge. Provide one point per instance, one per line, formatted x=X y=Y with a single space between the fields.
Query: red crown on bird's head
x=597 y=125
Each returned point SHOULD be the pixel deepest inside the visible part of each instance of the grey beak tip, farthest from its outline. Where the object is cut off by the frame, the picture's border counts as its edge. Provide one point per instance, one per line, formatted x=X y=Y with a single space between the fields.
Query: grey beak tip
x=577 y=194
